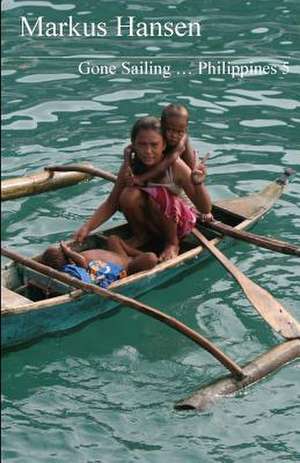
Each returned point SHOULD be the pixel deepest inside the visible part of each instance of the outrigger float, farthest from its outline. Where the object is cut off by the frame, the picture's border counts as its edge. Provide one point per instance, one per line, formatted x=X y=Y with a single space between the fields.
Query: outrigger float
x=38 y=300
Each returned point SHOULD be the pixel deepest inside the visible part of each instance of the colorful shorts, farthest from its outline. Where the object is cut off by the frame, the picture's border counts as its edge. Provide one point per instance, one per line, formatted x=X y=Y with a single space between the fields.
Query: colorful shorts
x=175 y=208
x=99 y=273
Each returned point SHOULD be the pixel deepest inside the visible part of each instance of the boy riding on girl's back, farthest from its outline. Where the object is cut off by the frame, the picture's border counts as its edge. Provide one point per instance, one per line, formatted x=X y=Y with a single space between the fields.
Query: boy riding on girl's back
x=174 y=123
x=100 y=266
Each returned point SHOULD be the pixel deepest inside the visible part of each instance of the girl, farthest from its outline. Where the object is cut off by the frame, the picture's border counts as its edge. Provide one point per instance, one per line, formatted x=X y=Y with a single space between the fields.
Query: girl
x=153 y=211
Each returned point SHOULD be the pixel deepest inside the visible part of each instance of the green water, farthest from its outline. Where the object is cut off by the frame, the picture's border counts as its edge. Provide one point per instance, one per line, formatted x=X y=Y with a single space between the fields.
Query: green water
x=105 y=392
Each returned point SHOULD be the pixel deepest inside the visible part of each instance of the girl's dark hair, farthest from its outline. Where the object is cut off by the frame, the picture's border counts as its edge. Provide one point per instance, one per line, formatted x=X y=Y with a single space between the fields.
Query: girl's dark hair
x=145 y=123
x=174 y=110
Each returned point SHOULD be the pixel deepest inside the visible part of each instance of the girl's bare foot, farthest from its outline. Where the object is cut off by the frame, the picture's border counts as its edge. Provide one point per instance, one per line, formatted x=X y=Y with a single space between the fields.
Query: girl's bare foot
x=170 y=251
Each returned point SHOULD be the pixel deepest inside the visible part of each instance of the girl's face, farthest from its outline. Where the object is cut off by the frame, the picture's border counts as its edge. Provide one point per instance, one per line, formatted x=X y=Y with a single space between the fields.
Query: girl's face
x=149 y=147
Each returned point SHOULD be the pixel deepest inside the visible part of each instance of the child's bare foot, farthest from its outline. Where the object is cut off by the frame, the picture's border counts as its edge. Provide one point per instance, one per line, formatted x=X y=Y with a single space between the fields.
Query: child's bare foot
x=170 y=251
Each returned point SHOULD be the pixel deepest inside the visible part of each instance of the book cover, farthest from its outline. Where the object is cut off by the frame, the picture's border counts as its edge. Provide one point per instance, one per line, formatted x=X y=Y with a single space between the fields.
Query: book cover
x=76 y=76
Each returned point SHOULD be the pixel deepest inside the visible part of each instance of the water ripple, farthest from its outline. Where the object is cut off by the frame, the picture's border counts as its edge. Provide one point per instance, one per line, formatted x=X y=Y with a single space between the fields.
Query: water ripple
x=13 y=4
x=34 y=78
x=46 y=112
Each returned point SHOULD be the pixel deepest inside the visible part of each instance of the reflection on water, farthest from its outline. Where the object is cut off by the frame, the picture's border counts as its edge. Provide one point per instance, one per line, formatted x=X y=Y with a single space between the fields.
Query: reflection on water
x=106 y=391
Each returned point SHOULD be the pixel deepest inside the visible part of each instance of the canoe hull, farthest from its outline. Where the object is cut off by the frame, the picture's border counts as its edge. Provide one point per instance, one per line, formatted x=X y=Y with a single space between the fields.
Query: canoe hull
x=23 y=327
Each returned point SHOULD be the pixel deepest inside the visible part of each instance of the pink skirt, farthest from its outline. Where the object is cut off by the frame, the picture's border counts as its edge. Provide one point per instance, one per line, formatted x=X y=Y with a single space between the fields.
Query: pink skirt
x=174 y=208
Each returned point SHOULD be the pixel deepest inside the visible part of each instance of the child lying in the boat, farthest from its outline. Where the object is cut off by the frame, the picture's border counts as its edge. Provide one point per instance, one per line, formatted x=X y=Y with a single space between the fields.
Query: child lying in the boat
x=99 y=266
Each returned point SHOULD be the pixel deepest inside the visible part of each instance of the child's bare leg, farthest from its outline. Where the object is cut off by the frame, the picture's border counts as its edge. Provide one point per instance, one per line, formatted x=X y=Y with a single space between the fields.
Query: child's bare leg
x=140 y=261
x=168 y=228
x=115 y=244
x=144 y=261
x=133 y=203
x=118 y=245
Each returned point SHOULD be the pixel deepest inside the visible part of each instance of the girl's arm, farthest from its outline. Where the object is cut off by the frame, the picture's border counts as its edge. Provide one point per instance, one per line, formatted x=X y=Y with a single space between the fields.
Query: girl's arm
x=104 y=212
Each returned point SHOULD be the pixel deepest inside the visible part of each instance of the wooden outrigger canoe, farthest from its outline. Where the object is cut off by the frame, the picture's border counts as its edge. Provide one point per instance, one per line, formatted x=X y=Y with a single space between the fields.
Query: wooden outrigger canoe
x=33 y=305
x=37 y=301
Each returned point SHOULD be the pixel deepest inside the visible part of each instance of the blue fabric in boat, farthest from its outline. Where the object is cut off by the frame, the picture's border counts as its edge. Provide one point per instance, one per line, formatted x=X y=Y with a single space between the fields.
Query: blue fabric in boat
x=77 y=272
x=98 y=273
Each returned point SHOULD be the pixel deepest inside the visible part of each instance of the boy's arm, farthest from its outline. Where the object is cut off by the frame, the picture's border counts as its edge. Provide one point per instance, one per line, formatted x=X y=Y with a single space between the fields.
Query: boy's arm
x=189 y=155
x=77 y=258
x=159 y=169
x=162 y=166
x=198 y=194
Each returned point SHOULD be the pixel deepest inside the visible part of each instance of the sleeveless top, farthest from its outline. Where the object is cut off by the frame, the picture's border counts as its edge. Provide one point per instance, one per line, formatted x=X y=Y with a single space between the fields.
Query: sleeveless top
x=168 y=182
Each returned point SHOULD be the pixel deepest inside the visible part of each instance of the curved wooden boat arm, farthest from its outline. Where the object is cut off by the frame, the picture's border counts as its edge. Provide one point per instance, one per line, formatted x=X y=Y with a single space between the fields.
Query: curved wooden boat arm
x=87 y=169
x=132 y=303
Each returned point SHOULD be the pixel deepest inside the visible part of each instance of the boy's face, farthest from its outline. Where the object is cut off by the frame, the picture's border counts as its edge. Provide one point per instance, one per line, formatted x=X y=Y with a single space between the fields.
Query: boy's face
x=174 y=129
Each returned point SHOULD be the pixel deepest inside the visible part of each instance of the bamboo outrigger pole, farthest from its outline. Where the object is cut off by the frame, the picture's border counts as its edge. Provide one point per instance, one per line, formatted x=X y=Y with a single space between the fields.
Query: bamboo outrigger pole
x=262 y=241
x=40 y=182
x=257 y=369
x=133 y=304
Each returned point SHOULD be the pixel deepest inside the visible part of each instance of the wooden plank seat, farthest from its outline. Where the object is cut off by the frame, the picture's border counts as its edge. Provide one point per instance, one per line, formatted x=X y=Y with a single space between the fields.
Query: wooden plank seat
x=50 y=286
x=11 y=299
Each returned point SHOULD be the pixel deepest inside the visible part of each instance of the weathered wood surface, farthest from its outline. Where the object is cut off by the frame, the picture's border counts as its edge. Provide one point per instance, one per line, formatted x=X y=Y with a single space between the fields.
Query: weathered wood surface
x=262 y=241
x=10 y=298
x=132 y=303
x=256 y=204
x=266 y=305
x=257 y=369
x=40 y=182
x=88 y=169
